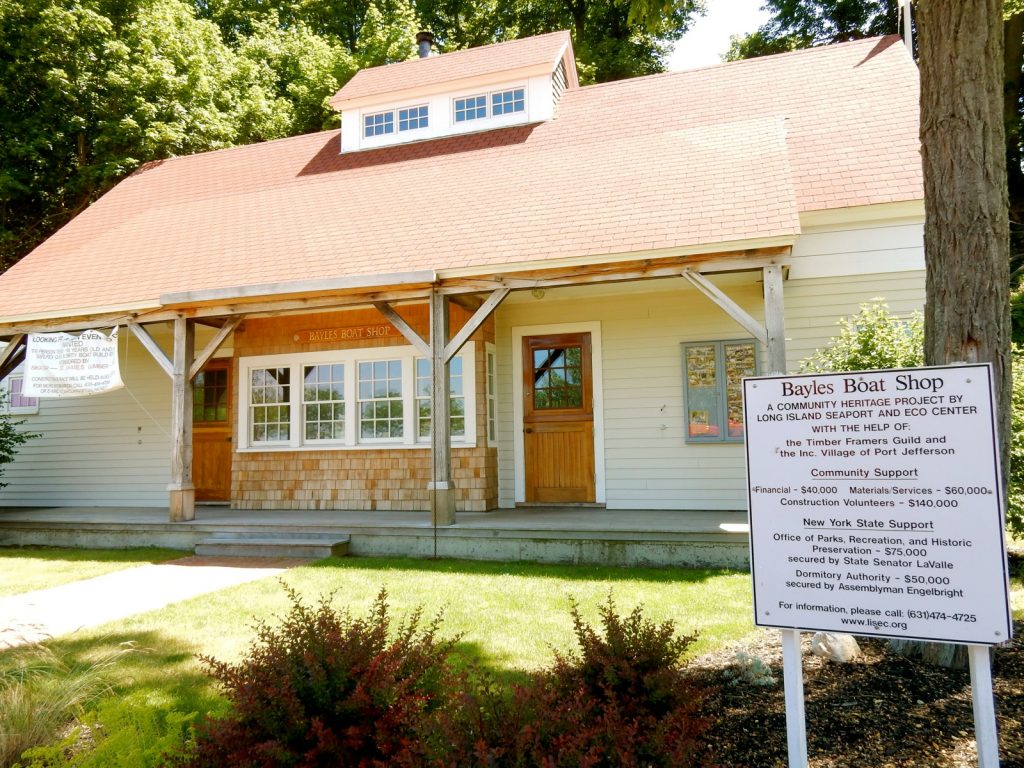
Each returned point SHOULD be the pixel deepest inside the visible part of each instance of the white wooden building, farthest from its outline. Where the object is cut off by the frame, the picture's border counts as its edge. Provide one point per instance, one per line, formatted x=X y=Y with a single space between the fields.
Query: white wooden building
x=599 y=266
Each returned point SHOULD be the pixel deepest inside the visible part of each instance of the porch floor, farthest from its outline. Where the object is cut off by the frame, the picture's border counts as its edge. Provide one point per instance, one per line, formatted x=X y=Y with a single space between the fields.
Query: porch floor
x=547 y=534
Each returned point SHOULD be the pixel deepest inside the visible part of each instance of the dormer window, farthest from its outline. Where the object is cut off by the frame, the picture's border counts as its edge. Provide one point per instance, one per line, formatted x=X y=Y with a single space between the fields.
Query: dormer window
x=378 y=124
x=501 y=103
x=411 y=118
x=470 y=108
x=506 y=102
x=383 y=123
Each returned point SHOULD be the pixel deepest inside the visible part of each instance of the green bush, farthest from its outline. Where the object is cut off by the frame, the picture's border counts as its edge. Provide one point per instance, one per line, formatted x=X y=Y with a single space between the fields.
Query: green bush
x=10 y=436
x=873 y=338
x=42 y=695
x=121 y=732
x=1015 y=493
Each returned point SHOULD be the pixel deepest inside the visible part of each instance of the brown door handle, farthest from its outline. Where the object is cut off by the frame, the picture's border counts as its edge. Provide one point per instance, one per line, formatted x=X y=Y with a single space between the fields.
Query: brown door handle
x=528 y=430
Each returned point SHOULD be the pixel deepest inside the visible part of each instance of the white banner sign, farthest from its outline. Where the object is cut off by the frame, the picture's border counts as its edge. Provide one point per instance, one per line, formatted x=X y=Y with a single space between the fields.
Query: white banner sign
x=876 y=505
x=62 y=365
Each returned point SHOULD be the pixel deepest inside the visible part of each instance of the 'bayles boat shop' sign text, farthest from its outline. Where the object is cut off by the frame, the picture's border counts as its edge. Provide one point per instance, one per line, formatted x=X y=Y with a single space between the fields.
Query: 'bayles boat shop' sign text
x=875 y=504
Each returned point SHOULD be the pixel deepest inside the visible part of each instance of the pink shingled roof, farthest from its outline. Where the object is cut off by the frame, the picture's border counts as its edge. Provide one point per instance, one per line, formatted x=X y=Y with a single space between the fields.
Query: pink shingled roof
x=471 y=62
x=689 y=159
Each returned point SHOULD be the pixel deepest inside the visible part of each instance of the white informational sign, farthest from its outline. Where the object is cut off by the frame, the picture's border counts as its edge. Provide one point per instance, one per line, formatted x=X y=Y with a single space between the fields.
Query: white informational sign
x=875 y=504
x=62 y=365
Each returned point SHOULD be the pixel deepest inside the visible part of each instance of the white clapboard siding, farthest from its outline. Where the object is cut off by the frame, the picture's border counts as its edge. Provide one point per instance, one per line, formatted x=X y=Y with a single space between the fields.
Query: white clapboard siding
x=648 y=464
x=111 y=449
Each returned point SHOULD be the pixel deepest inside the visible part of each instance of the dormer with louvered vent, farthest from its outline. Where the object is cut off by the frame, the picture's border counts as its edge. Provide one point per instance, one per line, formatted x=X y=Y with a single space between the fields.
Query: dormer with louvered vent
x=477 y=89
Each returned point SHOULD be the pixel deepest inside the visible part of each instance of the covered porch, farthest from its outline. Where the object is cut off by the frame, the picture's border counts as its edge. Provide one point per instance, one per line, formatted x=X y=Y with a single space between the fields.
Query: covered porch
x=577 y=534
x=222 y=314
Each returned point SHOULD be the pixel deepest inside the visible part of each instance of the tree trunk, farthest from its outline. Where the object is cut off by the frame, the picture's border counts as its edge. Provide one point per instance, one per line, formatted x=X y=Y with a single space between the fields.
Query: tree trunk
x=966 y=232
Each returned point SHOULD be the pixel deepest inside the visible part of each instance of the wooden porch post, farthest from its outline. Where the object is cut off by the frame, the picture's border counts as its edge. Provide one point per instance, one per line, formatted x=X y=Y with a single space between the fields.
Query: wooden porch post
x=181 y=491
x=774 y=319
x=442 y=492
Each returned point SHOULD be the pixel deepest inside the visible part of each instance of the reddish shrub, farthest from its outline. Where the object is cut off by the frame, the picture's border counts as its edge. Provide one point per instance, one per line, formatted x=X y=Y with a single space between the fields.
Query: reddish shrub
x=325 y=689
x=622 y=700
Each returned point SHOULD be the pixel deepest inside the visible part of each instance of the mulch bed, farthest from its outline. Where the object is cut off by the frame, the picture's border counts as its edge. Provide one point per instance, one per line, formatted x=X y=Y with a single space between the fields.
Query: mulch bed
x=880 y=711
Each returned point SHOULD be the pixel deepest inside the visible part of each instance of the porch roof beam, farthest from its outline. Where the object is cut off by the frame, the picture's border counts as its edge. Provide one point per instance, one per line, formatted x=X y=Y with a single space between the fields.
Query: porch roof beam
x=214 y=344
x=14 y=346
x=152 y=347
x=403 y=327
x=619 y=271
x=452 y=347
x=12 y=356
x=298 y=287
x=730 y=307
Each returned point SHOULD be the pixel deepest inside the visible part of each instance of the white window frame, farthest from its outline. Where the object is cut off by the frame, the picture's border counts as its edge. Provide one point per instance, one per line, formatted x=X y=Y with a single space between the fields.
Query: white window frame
x=465 y=407
x=491 y=394
x=382 y=134
x=398 y=118
x=490 y=119
x=350 y=358
x=9 y=391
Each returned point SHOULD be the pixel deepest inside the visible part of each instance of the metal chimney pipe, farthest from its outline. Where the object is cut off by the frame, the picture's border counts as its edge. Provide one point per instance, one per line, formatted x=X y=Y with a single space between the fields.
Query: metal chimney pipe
x=424 y=40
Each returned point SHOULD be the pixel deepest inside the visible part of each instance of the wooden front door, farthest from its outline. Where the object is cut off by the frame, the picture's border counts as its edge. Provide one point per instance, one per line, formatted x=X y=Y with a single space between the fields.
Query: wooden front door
x=558 y=418
x=211 y=432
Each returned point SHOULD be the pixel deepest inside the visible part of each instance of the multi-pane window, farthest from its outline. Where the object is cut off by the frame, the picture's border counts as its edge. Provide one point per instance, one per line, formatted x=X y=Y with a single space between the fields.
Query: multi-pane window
x=456 y=393
x=378 y=124
x=558 y=378
x=713 y=373
x=323 y=401
x=470 y=108
x=17 y=402
x=492 y=395
x=411 y=118
x=505 y=102
x=340 y=399
x=490 y=105
x=269 y=405
x=380 y=399
x=210 y=396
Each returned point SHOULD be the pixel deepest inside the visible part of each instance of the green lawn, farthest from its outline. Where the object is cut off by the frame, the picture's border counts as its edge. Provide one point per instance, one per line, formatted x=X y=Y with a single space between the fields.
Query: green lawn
x=509 y=616
x=25 y=569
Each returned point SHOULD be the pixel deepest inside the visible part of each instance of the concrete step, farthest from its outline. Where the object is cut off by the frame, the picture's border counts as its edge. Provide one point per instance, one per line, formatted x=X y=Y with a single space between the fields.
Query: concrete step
x=274 y=546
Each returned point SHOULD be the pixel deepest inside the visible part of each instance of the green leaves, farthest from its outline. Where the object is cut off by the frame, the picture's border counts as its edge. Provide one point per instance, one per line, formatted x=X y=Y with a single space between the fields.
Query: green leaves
x=873 y=338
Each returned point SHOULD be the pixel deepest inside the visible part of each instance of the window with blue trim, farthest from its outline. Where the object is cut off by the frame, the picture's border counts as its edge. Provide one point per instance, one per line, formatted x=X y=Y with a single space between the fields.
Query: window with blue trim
x=506 y=102
x=411 y=118
x=470 y=108
x=713 y=373
x=378 y=124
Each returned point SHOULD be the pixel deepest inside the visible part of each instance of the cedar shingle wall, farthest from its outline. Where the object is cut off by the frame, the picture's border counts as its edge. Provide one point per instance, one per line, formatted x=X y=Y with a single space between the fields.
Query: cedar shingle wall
x=372 y=479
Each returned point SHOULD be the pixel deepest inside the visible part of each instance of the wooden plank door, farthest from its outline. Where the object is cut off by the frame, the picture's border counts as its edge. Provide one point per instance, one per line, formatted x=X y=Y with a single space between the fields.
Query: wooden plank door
x=558 y=418
x=211 y=432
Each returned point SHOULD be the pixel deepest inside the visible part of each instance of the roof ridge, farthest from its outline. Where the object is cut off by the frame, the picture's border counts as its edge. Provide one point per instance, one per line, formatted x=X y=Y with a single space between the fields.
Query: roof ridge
x=814 y=49
x=458 y=53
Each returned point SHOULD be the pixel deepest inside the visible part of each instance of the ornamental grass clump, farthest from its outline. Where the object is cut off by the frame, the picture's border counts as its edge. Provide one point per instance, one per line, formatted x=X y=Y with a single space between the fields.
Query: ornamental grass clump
x=324 y=688
x=42 y=695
